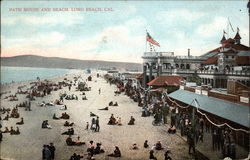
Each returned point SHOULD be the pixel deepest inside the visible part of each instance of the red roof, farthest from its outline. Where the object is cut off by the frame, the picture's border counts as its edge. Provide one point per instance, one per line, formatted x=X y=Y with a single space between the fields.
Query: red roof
x=238 y=47
x=237 y=36
x=223 y=39
x=211 y=60
x=139 y=76
x=166 y=81
x=243 y=60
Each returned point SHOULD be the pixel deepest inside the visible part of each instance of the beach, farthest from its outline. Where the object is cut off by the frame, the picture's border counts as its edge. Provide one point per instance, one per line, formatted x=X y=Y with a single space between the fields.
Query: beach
x=29 y=144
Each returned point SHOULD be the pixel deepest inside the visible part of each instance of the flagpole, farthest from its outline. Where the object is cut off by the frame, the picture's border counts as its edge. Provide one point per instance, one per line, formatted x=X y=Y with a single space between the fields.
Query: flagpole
x=227 y=27
x=146 y=41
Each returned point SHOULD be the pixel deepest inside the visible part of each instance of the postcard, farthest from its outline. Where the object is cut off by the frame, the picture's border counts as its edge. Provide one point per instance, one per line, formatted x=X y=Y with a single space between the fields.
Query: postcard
x=127 y=80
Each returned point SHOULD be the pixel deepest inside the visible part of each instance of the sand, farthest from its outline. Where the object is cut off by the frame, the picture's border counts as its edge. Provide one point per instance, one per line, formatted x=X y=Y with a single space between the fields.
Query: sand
x=28 y=145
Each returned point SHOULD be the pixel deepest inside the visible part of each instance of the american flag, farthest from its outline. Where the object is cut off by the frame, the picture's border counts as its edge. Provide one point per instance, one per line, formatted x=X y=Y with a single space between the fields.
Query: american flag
x=151 y=40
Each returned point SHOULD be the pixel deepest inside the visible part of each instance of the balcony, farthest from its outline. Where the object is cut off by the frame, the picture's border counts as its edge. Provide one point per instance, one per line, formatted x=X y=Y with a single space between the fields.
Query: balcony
x=207 y=72
x=158 y=54
x=233 y=73
x=169 y=55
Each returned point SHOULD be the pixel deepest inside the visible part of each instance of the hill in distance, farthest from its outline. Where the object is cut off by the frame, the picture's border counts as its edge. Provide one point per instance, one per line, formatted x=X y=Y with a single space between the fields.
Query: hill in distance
x=56 y=62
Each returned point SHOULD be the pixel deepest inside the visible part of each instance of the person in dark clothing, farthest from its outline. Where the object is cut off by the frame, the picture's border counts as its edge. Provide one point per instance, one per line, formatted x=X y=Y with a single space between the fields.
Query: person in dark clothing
x=97 y=126
x=145 y=144
x=214 y=139
x=111 y=103
x=67 y=124
x=98 y=149
x=158 y=145
x=76 y=157
x=92 y=114
x=55 y=117
x=91 y=147
x=69 y=141
x=105 y=108
x=61 y=98
x=151 y=155
x=1 y=136
x=92 y=126
x=46 y=153
x=167 y=157
x=117 y=152
x=131 y=121
x=52 y=150
x=191 y=143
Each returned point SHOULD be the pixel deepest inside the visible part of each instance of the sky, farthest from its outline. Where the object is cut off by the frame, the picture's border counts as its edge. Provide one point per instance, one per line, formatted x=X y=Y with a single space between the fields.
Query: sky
x=116 y=31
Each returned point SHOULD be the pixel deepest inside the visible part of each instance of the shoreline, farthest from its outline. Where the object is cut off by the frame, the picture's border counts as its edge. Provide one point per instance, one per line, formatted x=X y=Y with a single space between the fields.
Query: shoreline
x=35 y=78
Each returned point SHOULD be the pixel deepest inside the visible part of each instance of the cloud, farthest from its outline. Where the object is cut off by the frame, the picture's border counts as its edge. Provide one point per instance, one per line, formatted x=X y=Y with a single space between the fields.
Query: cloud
x=38 y=40
x=213 y=28
x=65 y=18
x=180 y=16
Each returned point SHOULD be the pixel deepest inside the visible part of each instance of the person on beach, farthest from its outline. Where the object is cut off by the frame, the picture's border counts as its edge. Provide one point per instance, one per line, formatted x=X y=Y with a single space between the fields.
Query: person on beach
x=55 y=117
x=87 y=126
x=61 y=98
x=158 y=146
x=134 y=147
x=91 y=147
x=75 y=157
x=117 y=152
x=6 y=130
x=151 y=155
x=172 y=129
x=65 y=116
x=21 y=122
x=6 y=117
x=93 y=123
x=167 y=157
x=84 y=97
x=98 y=149
x=131 y=121
x=112 y=120
x=69 y=141
x=46 y=153
x=67 y=124
x=92 y=114
x=105 y=108
x=99 y=90
x=111 y=103
x=12 y=131
x=45 y=124
x=145 y=145
x=119 y=121
x=78 y=142
x=1 y=136
x=97 y=126
x=52 y=150
x=69 y=132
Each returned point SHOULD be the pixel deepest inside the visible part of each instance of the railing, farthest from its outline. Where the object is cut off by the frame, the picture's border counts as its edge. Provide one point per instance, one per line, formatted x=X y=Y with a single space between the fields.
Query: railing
x=210 y=72
x=170 y=54
x=156 y=54
x=190 y=57
x=241 y=73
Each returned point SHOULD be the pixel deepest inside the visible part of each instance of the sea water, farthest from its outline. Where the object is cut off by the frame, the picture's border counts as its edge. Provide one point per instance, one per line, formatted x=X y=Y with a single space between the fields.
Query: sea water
x=18 y=74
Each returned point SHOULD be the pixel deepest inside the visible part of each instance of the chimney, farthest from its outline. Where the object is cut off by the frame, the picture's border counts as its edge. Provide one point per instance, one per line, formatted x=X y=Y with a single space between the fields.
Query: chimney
x=188 y=52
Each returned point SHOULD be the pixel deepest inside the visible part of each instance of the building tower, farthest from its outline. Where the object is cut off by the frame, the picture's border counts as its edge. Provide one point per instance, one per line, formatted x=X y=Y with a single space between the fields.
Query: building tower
x=237 y=37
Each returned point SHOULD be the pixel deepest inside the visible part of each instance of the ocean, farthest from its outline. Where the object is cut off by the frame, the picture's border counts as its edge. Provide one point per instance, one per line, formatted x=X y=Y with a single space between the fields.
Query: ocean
x=19 y=74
